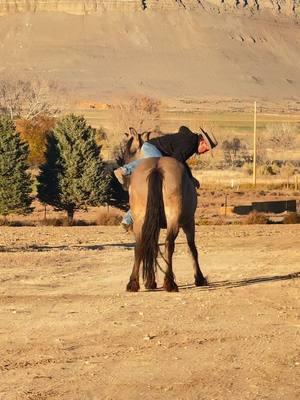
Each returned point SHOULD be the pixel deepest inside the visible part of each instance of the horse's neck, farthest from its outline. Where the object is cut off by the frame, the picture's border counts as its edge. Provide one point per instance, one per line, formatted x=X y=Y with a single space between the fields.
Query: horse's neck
x=138 y=155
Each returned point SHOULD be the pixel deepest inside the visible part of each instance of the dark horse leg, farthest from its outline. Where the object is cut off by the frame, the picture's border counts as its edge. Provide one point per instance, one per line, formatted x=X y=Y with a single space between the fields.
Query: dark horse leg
x=169 y=281
x=189 y=231
x=133 y=284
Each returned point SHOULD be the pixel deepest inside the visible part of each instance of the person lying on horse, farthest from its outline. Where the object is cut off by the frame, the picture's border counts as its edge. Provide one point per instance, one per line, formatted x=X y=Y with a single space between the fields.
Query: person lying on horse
x=181 y=146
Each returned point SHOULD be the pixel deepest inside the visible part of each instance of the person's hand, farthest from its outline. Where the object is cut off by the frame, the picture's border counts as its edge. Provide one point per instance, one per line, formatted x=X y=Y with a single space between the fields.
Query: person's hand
x=196 y=183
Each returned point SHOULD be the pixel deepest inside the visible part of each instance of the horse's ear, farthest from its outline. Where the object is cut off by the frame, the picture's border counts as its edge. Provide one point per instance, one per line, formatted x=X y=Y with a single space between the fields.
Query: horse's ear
x=133 y=132
x=145 y=136
x=141 y=140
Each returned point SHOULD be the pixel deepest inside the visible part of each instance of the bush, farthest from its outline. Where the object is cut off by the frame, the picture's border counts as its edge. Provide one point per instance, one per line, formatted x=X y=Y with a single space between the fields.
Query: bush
x=291 y=218
x=287 y=170
x=256 y=218
x=108 y=218
x=268 y=170
x=6 y=222
x=248 y=168
x=34 y=132
x=60 y=221
x=63 y=221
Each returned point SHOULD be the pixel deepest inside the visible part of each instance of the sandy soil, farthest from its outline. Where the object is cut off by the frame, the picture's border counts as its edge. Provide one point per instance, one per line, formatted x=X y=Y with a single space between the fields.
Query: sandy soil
x=70 y=331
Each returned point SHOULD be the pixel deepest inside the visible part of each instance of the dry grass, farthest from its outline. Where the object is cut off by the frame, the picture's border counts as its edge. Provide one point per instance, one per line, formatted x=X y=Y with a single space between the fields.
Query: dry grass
x=15 y=223
x=108 y=217
x=63 y=221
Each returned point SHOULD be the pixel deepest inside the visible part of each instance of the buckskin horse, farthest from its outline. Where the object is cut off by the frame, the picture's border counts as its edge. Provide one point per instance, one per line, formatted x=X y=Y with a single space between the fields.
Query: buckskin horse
x=162 y=195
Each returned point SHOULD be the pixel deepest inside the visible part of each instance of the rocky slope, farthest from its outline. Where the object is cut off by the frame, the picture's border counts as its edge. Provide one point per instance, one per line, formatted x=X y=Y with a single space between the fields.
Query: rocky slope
x=182 y=51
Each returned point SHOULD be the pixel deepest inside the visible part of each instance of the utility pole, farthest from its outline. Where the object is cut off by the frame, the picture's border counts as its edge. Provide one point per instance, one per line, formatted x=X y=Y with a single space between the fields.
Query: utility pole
x=254 y=146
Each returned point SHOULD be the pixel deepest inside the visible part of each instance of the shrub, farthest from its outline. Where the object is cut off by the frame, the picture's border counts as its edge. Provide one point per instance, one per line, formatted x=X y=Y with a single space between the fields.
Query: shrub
x=108 y=218
x=34 y=132
x=291 y=218
x=256 y=218
x=267 y=170
x=63 y=221
x=60 y=221
x=248 y=168
x=15 y=223
x=287 y=170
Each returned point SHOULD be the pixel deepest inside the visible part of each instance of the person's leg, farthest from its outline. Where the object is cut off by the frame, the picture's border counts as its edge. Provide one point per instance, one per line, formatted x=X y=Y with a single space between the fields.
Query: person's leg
x=130 y=167
x=147 y=151
x=127 y=220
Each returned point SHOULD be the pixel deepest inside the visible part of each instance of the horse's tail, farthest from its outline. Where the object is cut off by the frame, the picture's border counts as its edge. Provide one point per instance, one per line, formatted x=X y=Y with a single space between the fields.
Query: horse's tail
x=151 y=226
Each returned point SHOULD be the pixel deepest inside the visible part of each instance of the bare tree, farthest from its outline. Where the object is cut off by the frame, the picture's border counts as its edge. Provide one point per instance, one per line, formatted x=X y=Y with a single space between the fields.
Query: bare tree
x=141 y=112
x=235 y=152
x=28 y=99
x=281 y=136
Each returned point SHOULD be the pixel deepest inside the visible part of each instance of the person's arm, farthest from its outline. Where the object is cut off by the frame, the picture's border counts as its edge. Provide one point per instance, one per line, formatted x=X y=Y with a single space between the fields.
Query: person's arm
x=188 y=169
x=179 y=157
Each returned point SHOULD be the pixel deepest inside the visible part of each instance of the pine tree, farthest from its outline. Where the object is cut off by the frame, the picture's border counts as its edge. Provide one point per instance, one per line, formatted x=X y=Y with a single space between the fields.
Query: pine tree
x=15 y=182
x=73 y=175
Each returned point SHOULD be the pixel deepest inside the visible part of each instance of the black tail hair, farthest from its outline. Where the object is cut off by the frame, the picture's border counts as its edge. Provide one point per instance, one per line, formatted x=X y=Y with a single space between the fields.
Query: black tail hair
x=151 y=226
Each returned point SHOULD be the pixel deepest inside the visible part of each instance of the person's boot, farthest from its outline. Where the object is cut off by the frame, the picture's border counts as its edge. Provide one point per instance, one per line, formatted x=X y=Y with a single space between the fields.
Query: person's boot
x=122 y=178
x=127 y=227
x=127 y=222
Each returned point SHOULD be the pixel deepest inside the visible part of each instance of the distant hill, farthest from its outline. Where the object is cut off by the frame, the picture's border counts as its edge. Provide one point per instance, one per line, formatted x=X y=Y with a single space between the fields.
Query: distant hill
x=184 y=52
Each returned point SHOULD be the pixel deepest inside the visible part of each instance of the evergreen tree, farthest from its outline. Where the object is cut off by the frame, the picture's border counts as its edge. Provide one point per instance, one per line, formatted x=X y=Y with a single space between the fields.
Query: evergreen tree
x=73 y=175
x=15 y=182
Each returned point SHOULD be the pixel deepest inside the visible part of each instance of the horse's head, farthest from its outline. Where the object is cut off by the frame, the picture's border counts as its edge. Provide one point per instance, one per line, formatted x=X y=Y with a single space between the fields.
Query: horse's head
x=133 y=144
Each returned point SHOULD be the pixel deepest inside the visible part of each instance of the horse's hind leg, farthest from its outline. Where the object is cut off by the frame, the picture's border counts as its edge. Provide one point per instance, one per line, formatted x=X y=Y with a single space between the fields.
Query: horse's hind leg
x=150 y=283
x=189 y=230
x=133 y=284
x=169 y=281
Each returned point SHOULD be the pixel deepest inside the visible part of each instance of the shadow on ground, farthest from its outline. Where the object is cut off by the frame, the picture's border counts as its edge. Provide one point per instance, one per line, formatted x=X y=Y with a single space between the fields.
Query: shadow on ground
x=228 y=284
x=42 y=248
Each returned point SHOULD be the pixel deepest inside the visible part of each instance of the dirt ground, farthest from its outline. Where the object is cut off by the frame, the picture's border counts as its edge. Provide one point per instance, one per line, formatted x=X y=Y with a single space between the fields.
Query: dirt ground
x=68 y=329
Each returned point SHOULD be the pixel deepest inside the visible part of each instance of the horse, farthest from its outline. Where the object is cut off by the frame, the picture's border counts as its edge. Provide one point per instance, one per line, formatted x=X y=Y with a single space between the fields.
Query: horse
x=161 y=195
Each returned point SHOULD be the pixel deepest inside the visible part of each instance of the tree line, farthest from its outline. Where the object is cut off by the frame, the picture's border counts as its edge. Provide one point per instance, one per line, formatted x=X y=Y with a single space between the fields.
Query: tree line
x=72 y=176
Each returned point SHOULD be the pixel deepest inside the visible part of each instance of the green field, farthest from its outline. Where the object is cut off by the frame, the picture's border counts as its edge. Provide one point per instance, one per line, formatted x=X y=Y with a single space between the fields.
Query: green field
x=223 y=122
x=225 y=125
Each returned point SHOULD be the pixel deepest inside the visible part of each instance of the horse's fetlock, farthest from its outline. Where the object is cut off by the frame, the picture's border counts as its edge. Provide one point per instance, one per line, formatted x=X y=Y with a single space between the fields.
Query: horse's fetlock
x=133 y=286
x=200 y=281
x=170 y=285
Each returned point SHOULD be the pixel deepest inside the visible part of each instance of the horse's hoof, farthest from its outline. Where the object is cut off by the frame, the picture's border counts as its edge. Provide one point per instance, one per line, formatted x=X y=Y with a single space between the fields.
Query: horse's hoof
x=151 y=285
x=201 y=281
x=133 y=286
x=170 y=286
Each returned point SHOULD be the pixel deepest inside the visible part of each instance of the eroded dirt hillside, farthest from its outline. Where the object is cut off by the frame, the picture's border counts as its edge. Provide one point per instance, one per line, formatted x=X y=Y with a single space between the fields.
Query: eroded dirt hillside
x=289 y=7
x=180 y=51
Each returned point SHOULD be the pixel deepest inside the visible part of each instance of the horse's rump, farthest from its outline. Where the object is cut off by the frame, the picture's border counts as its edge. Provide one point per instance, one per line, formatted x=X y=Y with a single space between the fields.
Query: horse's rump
x=179 y=198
